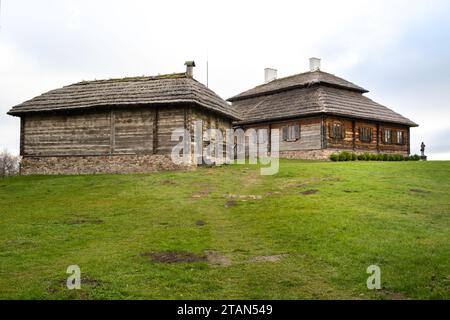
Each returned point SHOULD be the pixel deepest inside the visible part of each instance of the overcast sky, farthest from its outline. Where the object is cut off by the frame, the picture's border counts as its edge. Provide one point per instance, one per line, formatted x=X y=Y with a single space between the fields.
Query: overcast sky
x=399 y=50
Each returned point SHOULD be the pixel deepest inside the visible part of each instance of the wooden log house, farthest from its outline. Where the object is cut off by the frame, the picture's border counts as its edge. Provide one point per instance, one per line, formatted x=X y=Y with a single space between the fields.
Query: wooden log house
x=115 y=126
x=318 y=114
x=125 y=125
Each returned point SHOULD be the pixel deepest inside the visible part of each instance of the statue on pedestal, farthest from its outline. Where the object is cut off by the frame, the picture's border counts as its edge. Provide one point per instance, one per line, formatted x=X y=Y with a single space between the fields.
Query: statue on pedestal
x=422 y=152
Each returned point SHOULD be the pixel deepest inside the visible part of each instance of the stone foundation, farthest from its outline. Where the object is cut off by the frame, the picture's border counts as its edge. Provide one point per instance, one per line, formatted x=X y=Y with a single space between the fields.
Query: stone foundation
x=321 y=154
x=324 y=154
x=68 y=165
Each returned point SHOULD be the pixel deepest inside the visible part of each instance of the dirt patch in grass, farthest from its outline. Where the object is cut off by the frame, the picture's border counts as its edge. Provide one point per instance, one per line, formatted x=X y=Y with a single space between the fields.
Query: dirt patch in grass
x=394 y=295
x=310 y=181
x=84 y=221
x=218 y=259
x=174 y=257
x=243 y=197
x=168 y=182
x=351 y=191
x=201 y=194
x=200 y=223
x=231 y=203
x=310 y=192
x=275 y=258
x=418 y=191
x=60 y=285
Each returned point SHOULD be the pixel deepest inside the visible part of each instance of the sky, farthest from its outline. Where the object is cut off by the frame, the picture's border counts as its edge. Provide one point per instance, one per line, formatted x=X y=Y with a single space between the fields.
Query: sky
x=398 y=50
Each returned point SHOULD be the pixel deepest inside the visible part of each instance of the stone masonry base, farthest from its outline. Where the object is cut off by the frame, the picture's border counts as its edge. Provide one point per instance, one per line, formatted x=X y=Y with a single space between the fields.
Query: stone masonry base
x=69 y=165
x=66 y=165
x=324 y=154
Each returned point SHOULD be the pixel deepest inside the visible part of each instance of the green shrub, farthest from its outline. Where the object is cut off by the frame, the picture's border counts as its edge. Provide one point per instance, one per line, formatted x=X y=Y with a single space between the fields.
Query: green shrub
x=350 y=156
x=334 y=157
x=345 y=156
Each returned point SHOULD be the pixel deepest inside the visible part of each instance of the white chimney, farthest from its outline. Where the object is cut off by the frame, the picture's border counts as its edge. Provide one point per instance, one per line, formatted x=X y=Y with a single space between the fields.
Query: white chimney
x=190 y=68
x=269 y=74
x=314 y=64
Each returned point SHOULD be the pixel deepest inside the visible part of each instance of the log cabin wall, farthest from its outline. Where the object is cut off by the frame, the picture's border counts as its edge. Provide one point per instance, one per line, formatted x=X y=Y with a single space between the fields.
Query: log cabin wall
x=67 y=134
x=114 y=140
x=353 y=141
x=108 y=132
x=310 y=133
x=169 y=119
x=394 y=147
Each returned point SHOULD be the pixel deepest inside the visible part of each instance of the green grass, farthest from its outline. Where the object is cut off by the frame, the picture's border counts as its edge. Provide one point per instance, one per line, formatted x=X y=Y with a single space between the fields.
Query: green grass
x=394 y=215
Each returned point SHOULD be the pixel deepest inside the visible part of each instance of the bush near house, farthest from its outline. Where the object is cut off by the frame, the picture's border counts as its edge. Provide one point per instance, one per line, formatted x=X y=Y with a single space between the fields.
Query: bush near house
x=351 y=156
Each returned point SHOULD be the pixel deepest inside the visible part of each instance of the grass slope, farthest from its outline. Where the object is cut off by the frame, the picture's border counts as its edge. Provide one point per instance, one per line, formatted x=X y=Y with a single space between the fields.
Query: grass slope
x=271 y=241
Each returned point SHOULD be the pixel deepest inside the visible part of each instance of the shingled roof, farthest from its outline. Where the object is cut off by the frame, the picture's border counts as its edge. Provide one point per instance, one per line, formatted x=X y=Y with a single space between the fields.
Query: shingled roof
x=164 y=89
x=307 y=94
x=301 y=80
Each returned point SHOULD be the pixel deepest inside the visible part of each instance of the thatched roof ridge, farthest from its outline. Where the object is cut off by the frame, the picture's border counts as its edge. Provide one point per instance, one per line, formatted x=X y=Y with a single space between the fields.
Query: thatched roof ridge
x=296 y=81
x=156 y=90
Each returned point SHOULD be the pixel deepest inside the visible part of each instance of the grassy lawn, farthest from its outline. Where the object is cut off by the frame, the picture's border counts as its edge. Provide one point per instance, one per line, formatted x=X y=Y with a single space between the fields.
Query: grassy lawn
x=309 y=232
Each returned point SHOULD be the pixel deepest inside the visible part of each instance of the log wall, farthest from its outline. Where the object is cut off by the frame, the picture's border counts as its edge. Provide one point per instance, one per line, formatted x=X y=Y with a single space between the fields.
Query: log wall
x=111 y=132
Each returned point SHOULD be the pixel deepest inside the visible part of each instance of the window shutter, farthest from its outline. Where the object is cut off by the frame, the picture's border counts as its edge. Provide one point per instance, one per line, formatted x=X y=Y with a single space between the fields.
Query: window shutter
x=330 y=130
x=296 y=132
x=339 y=131
x=393 y=136
x=285 y=133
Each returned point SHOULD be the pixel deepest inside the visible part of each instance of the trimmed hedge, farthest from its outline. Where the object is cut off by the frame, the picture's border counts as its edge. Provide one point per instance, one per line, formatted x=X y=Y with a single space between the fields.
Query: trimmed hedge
x=350 y=156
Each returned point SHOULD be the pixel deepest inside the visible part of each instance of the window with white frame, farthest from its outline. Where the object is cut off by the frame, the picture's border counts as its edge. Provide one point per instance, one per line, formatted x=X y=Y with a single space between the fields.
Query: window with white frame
x=400 y=137
x=387 y=136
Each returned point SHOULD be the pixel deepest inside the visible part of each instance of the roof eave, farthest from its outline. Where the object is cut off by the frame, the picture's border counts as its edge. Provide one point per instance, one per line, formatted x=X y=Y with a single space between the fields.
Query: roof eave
x=241 y=97
x=408 y=123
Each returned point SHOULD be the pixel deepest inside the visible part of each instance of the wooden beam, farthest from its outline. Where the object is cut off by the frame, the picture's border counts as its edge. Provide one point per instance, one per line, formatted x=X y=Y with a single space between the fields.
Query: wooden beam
x=155 y=131
x=269 y=149
x=324 y=132
x=112 y=119
x=22 y=135
x=378 y=137
x=354 y=134
x=409 y=141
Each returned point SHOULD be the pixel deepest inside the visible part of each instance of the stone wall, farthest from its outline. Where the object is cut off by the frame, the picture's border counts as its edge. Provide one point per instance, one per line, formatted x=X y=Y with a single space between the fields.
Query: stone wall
x=66 y=165
x=321 y=154
x=324 y=154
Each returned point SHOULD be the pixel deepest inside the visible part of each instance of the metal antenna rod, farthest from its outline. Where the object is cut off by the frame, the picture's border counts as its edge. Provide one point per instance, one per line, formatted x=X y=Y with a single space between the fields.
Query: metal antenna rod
x=207 y=70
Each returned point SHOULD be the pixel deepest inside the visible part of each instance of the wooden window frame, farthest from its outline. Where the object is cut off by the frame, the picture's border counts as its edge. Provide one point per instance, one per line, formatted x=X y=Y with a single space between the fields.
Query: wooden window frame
x=366 y=136
x=289 y=134
x=390 y=140
x=400 y=133
x=333 y=132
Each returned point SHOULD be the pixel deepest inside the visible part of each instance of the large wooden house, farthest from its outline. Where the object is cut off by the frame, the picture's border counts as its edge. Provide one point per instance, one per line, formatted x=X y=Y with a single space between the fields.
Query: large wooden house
x=318 y=114
x=125 y=125
x=117 y=125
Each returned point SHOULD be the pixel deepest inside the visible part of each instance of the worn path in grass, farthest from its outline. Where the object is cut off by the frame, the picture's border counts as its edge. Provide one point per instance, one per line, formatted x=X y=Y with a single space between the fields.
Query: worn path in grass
x=310 y=231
